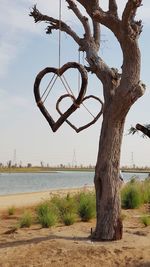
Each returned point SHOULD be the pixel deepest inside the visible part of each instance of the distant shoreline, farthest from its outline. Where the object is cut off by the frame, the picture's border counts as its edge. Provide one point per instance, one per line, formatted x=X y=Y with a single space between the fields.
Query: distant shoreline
x=43 y=170
x=64 y=169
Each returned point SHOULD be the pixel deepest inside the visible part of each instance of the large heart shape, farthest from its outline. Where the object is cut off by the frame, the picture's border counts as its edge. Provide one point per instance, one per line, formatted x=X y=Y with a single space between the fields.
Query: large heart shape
x=76 y=102
x=85 y=98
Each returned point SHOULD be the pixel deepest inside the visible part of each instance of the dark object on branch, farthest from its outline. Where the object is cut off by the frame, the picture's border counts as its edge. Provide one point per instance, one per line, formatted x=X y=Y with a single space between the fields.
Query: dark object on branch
x=145 y=129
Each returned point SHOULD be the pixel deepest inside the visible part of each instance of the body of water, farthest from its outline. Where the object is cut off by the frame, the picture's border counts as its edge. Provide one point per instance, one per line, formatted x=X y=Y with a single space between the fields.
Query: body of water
x=13 y=183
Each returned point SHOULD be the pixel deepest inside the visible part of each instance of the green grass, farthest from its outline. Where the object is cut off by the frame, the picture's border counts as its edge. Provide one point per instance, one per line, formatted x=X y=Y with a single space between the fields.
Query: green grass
x=26 y=220
x=46 y=215
x=131 y=195
x=145 y=220
x=69 y=218
x=86 y=206
x=66 y=208
x=135 y=193
x=145 y=189
x=11 y=210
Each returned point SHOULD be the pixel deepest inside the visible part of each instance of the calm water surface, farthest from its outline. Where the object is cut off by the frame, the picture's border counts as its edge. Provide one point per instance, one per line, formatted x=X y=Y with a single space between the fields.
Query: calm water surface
x=12 y=183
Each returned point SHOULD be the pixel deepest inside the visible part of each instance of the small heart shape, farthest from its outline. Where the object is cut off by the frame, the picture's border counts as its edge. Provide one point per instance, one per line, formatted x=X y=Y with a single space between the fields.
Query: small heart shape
x=76 y=102
x=85 y=98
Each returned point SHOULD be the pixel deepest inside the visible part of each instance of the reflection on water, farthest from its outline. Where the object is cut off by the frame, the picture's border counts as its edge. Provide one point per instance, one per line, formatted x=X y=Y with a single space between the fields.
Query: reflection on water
x=12 y=183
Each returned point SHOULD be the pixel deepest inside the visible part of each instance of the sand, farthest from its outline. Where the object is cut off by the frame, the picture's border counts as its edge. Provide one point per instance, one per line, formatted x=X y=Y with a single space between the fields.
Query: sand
x=30 y=199
x=69 y=245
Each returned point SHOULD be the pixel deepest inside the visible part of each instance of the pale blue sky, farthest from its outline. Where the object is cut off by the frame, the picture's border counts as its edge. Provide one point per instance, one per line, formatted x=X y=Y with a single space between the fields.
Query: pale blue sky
x=25 y=49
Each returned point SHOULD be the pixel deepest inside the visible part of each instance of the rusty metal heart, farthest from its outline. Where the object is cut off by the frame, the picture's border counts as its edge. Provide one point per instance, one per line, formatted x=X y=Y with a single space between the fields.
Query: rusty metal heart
x=85 y=98
x=76 y=102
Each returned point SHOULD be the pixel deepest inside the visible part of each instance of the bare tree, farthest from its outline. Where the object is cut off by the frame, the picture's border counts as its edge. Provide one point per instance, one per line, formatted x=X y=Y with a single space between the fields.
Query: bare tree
x=120 y=91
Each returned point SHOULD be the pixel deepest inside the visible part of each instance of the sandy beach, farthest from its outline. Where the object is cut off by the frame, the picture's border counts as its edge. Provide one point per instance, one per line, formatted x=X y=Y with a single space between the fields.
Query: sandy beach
x=68 y=245
x=31 y=199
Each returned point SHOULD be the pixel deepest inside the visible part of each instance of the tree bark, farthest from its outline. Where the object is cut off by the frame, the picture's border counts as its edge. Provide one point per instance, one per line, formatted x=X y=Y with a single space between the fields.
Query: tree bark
x=107 y=183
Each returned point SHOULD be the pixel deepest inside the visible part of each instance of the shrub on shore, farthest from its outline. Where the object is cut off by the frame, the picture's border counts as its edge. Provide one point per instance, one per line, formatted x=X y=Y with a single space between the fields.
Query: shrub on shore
x=11 y=210
x=66 y=208
x=69 y=218
x=26 y=220
x=46 y=215
x=82 y=205
x=135 y=193
x=145 y=188
x=86 y=206
x=145 y=220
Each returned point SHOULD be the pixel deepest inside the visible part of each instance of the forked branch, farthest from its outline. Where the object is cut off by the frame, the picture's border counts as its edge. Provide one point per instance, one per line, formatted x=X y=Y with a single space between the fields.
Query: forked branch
x=107 y=19
x=113 y=7
x=54 y=24
x=132 y=27
x=83 y=19
x=90 y=6
x=85 y=22
x=96 y=33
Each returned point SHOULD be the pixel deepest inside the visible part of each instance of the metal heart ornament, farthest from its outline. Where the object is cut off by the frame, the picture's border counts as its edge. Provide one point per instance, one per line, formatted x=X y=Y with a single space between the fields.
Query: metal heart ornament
x=76 y=102
x=85 y=98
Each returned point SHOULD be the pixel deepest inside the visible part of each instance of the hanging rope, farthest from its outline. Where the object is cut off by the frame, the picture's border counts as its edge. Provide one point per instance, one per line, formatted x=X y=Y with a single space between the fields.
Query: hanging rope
x=83 y=58
x=62 y=78
x=64 y=82
x=48 y=87
x=88 y=110
x=79 y=81
x=59 y=47
x=68 y=85
x=59 y=59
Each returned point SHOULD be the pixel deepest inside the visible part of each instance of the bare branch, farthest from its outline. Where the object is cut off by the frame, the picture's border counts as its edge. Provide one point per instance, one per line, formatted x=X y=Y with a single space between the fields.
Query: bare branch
x=83 y=19
x=132 y=130
x=85 y=22
x=130 y=10
x=54 y=24
x=144 y=129
x=89 y=44
x=113 y=7
x=96 y=64
x=132 y=27
x=88 y=6
x=96 y=33
x=107 y=19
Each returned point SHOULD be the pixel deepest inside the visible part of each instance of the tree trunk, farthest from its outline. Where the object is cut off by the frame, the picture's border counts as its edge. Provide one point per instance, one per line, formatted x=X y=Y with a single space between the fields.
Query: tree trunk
x=107 y=183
